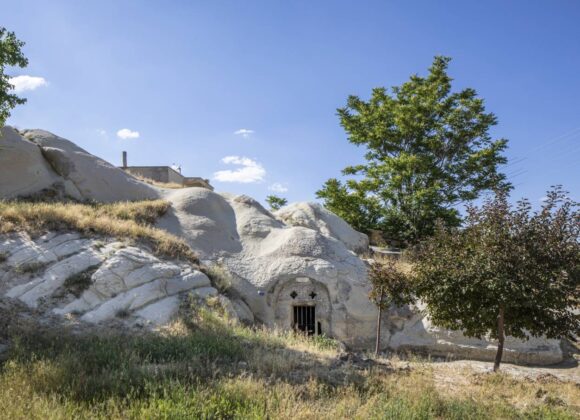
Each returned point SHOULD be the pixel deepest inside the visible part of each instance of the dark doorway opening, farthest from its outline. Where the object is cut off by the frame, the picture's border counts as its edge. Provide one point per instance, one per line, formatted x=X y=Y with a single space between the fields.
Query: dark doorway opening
x=305 y=319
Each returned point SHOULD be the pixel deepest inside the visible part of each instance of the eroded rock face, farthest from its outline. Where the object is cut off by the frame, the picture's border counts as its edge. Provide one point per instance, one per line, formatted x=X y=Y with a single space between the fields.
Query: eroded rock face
x=416 y=333
x=301 y=256
x=94 y=178
x=315 y=216
x=297 y=258
x=35 y=162
x=23 y=170
x=119 y=282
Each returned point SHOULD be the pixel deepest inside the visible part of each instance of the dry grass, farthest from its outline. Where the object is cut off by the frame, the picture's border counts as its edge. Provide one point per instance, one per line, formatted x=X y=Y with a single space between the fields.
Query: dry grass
x=124 y=220
x=170 y=185
x=206 y=367
x=523 y=392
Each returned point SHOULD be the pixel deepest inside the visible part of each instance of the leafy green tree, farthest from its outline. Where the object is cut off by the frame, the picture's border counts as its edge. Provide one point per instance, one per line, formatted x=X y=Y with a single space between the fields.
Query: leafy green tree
x=389 y=285
x=10 y=55
x=427 y=149
x=275 y=202
x=508 y=272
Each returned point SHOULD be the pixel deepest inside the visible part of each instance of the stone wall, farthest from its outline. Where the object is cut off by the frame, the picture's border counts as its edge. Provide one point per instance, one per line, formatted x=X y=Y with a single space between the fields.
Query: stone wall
x=163 y=174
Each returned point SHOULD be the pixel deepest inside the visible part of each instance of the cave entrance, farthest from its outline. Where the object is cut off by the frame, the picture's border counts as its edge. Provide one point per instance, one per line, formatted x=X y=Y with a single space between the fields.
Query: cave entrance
x=305 y=319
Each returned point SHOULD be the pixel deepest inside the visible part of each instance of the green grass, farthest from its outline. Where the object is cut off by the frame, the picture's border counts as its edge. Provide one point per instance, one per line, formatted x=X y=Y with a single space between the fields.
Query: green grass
x=205 y=367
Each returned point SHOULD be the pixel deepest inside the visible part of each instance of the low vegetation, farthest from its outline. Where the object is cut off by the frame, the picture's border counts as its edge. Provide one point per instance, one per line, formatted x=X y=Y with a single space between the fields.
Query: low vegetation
x=206 y=367
x=29 y=268
x=220 y=277
x=79 y=282
x=124 y=220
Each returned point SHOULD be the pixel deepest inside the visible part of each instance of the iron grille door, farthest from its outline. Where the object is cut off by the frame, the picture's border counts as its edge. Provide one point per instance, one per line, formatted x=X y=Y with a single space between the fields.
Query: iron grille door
x=305 y=319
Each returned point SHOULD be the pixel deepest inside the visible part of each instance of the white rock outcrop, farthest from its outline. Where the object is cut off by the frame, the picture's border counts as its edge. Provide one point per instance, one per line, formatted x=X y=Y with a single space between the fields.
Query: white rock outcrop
x=36 y=162
x=126 y=283
x=296 y=267
x=315 y=216
x=23 y=170
x=94 y=178
x=295 y=259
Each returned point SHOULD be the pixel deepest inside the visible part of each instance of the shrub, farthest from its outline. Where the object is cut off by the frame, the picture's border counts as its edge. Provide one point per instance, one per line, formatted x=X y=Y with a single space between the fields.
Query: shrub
x=78 y=283
x=30 y=267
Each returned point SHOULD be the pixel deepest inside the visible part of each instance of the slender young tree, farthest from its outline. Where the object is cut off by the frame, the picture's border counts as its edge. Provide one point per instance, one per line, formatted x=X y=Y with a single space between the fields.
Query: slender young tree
x=10 y=55
x=389 y=285
x=427 y=149
x=510 y=271
x=275 y=202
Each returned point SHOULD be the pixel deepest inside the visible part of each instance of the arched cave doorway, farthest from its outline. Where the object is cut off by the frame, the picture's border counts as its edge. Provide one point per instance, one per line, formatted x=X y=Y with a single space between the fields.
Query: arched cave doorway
x=303 y=304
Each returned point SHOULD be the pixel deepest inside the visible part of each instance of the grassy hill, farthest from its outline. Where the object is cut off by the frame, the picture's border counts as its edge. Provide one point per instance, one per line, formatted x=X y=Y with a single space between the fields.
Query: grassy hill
x=206 y=366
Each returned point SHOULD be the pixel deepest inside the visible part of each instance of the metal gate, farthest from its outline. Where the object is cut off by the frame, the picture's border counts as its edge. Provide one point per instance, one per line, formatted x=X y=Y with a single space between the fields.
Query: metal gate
x=305 y=319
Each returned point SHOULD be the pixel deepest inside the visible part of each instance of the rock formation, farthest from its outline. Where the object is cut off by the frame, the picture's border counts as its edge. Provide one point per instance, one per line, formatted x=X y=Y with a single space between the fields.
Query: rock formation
x=279 y=265
x=96 y=279
x=38 y=162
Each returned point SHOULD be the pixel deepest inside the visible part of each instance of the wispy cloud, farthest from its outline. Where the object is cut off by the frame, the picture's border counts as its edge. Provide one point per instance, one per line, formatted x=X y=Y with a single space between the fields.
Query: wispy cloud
x=248 y=171
x=25 y=82
x=278 y=187
x=126 y=134
x=244 y=132
x=103 y=133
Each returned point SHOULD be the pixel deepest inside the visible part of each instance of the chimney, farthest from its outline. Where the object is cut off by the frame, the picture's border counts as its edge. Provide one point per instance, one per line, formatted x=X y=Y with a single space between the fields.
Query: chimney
x=124 y=159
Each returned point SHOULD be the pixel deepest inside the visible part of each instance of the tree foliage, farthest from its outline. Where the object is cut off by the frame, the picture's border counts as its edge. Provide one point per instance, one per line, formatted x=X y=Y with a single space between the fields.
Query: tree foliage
x=389 y=285
x=509 y=269
x=427 y=149
x=275 y=202
x=10 y=55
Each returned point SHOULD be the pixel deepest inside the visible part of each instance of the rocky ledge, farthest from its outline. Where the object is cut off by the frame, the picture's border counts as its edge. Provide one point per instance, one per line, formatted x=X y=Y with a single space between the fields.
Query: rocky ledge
x=95 y=280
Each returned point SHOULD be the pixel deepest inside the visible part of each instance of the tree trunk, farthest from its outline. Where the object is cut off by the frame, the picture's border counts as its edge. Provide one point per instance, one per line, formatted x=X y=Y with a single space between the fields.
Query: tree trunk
x=379 y=316
x=500 y=337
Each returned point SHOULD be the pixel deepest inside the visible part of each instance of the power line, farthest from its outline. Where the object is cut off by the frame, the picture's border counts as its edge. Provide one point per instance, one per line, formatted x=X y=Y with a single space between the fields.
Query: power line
x=572 y=134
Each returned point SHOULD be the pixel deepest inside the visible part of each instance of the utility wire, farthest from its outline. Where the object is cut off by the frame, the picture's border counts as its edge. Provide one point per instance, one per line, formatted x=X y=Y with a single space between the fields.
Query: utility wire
x=572 y=134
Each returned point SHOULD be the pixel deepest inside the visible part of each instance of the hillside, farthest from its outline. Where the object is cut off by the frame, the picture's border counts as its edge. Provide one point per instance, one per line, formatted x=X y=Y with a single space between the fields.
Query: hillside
x=302 y=256
x=205 y=367
x=122 y=299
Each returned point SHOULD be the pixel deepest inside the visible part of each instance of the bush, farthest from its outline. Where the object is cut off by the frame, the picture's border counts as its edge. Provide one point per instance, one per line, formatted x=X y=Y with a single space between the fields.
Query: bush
x=78 y=283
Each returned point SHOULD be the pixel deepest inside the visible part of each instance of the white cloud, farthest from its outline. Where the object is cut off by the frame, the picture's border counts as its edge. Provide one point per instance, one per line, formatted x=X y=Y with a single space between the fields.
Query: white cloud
x=244 y=132
x=125 y=134
x=102 y=133
x=249 y=170
x=25 y=82
x=278 y=187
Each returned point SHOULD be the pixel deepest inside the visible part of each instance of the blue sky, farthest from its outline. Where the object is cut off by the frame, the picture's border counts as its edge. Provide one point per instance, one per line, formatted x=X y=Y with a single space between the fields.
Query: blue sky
x=187 y=75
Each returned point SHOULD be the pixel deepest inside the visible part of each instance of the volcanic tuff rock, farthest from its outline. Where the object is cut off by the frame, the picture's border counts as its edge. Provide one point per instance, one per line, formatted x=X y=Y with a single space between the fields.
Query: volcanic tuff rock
x=96 y=279
x=36 y=161
x=299 y=257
